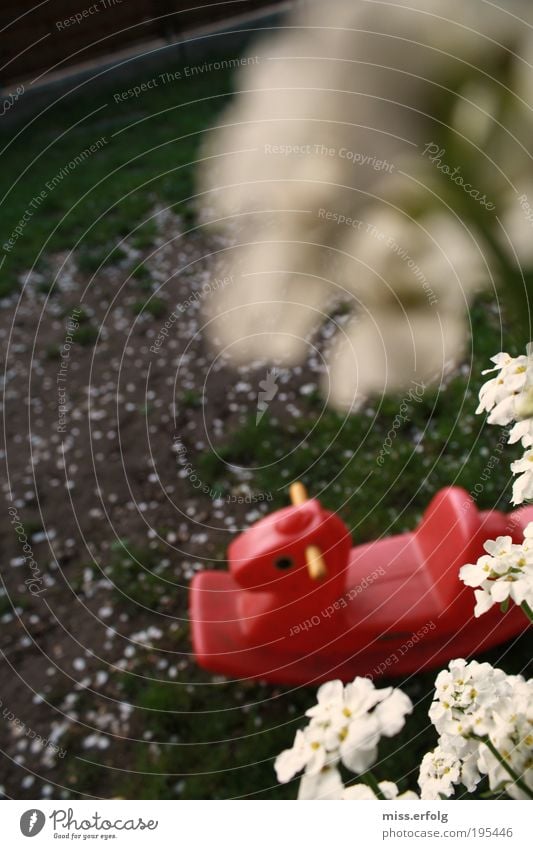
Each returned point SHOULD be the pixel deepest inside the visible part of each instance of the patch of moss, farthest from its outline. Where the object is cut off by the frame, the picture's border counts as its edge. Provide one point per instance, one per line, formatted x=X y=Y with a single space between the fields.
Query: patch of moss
x=155 y=307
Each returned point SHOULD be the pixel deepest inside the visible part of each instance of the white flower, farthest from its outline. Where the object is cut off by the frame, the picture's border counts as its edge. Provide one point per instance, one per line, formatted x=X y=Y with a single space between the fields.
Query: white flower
x=462 y=694
x=524 y=403
x=345 y=726
x=361 y=792
x=472 y=574
x=522 y=432
x=510 y=731
x=527 y=545
x=391 y=712
x=359 y=743
x=308 y=752
x=454 y=761
x=505 y=572
x=326 y=784
x=523 y=485
x=365 y=715
x=498 y=396
x=484 y=602
x=500 y=547
x=473 y=702
x=507 y=398
x=330 y=698
x=439 y=771
x=388 y=789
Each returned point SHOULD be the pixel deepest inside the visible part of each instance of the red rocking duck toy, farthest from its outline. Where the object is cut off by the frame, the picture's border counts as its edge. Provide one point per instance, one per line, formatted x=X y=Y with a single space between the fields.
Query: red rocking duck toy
x=299 y=605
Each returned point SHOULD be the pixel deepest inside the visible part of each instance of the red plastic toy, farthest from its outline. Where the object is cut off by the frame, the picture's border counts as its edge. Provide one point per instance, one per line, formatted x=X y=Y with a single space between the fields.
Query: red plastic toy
x=300 y=605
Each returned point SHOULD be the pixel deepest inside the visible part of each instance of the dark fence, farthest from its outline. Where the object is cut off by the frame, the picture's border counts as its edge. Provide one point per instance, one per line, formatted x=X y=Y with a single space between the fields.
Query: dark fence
x=36 y=39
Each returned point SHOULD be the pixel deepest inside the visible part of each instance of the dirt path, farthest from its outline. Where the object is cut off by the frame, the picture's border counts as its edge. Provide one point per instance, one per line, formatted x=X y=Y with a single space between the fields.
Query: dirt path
x=105 y=418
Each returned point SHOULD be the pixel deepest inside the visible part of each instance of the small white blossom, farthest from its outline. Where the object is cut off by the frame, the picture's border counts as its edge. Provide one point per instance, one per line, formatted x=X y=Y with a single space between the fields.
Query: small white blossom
x=510 y=730
x=522 y=431
x=330 y=698
x=524 y=403
x=439 y=771
x=497 y=396
x=345 y=727
x=507 y=398
x=523 y=485
x=388 y=789
x=505 y=572
x=361 y=792
x=308 y=752
x=326 y=784
x=475 y=702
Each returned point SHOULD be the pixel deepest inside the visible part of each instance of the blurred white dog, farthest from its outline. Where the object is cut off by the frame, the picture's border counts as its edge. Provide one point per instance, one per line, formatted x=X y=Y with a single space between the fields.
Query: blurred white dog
x=378 y=153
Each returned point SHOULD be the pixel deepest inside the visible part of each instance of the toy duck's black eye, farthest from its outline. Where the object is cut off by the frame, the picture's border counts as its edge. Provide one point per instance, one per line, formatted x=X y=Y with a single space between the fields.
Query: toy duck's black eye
x=283 y=563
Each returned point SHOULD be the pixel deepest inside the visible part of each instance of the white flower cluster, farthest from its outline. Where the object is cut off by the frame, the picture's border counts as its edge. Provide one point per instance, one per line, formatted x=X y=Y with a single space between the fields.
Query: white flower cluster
x=484 y=718
x=505 y=572
x=485 y=722
x=345 y=727
x=508 y=398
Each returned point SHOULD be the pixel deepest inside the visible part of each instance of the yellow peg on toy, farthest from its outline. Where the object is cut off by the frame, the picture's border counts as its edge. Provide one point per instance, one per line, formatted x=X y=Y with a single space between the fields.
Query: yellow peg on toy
x=316 y=564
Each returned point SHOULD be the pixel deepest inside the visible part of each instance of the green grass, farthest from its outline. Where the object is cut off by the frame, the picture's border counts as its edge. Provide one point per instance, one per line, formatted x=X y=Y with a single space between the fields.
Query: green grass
x=47 y=287
x=137 y=576
x=155 y=307
x=53 y=352
x=90 y=260
x=85 y=335
x=148 y=145
x=191 y=399
x=144 y=236
x=334 y=454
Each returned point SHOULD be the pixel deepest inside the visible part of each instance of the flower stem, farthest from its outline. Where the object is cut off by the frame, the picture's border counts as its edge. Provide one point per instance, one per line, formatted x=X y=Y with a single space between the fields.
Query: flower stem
x=527 y=610
x=370 y=779
x=501 y=760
